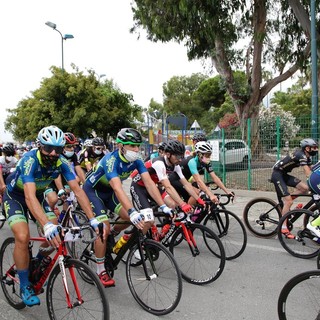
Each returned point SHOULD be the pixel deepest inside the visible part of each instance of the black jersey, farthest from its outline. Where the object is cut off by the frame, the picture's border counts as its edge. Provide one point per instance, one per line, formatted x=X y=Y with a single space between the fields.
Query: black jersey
x=295 y=160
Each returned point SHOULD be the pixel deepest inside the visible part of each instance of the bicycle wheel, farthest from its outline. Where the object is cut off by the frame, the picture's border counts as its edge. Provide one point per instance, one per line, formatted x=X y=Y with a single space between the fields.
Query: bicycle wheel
x=159 y=291
x=300 y=297
x=305 y=245
x=230 y=231
x=9 y=278
x=92 y=303
x=261 y=216
x=202 y=260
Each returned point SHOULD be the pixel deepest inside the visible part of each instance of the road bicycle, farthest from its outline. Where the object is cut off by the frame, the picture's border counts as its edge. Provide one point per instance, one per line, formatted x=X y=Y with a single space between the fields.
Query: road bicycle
x=198 y=251
x=226 y=224
x=152 y=273
x=68 y=296
x=300 y=297
x=261 y=215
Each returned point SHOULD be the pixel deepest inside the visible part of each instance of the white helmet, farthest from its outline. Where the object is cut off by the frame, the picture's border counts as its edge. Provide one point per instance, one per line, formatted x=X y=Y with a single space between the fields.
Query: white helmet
x=203 y=147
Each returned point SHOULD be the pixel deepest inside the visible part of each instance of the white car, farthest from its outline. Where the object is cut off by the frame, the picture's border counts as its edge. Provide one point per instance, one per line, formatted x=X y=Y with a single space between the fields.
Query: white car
x=234 y=151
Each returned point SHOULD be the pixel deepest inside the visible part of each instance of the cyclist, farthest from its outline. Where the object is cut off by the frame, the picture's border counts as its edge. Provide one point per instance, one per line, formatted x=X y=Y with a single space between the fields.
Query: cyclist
x=159 y=169
x=192 y=168
x=198 y=137
x=25 y=190
x=158 y=153
x=8 y=161
x=104 y=189
x=282 y=179
x=92 y=154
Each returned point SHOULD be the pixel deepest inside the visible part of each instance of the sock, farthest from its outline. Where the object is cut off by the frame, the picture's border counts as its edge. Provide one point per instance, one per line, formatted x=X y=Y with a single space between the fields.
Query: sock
x=100 y=265
x=24 y=277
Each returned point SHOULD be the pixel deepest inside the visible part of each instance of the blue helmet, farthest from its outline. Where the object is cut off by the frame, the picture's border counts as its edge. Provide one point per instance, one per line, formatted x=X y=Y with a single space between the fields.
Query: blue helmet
x=52 y=136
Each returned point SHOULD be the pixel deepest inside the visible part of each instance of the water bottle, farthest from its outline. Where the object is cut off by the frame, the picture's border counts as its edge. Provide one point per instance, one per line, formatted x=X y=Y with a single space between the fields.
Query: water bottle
x=164 y=230
x=154 y=232
x=122 y=241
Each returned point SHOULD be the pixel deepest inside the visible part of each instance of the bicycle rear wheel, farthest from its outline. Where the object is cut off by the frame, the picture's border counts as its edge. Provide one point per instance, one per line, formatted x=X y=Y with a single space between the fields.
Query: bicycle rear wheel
x=92 y=303
x=305 y=244
x=9 y=278
x=261 y=216
x=230 y=230
x=202 y=260
x=300 y=297
x=159 y=291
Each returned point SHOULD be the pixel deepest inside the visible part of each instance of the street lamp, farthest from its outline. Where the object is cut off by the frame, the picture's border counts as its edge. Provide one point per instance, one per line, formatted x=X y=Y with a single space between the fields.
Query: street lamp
x=63 y=37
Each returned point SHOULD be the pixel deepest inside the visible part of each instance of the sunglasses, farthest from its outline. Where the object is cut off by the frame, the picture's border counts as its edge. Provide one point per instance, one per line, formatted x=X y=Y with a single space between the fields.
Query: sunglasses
x=179 y=156
x=99 y=148
x=49 y=149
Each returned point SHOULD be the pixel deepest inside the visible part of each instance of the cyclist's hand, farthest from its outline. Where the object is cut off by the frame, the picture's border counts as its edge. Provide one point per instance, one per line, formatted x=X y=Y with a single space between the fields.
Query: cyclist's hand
x=214 y=199
x=62 y=193
x=231 y=194
x=185 y=207
x=201 y=202
x=137 y=219
x=51 y=233
x=94 y=223
x=165 y=209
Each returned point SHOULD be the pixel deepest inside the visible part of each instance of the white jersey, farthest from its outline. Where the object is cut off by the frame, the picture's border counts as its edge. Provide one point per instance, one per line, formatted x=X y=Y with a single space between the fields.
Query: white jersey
x=8 y=167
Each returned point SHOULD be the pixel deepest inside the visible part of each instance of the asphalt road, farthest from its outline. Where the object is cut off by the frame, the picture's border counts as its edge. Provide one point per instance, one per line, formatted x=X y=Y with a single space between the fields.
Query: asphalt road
x=248 y=288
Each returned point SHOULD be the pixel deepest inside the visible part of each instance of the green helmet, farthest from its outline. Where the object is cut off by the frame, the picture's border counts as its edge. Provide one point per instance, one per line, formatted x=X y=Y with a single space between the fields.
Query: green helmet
x=129 y=136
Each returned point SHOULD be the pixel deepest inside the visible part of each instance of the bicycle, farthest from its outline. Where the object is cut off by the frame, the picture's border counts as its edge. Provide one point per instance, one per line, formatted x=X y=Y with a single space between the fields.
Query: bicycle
x=67 y=294
x=226 y=224
x=300 y=297
x=154 y=280
x=261 y=215
x=198 y=251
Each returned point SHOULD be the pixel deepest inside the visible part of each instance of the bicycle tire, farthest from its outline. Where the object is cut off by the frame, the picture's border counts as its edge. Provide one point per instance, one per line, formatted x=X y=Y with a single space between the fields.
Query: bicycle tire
x=230 y=230
x=165 y=281
x=305 y=244
x=261 y=217
x=207 y=262
x=318 y=260
x=94 y=302
x=300 y=297
x=10 y=284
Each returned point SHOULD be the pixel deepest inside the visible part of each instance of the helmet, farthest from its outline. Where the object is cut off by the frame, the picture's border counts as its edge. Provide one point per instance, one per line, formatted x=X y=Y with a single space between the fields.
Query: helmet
x=52 y=136
x=97 y=141
x=199 y=137
x=162 y=146
x=28 y=147
x=203 y=147
x=88 y=143
x=8 y=150
x=129 y=136
x=308 y=142
x=70 y=138
x=175 y=147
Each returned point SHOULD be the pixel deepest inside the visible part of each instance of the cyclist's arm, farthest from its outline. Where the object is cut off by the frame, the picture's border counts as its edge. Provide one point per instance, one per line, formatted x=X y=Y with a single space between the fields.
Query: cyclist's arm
x=189 y=188
x=307 y=171
x=2 y=183
x=152 y=188
x=58 y=182
x=80 y=173
x=172 y=192
x=197 y=178
x=218 y=182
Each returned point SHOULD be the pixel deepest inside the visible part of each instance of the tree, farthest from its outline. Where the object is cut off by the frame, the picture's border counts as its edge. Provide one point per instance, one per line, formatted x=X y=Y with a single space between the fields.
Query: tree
x=75 y=102
x=212 y=29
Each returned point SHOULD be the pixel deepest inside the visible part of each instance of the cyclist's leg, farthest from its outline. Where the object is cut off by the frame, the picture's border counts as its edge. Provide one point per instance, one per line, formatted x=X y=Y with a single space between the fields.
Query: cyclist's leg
x=17 y=221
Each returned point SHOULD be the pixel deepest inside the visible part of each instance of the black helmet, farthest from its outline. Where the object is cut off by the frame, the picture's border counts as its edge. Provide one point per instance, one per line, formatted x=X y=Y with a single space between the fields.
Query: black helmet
x=199 y=137
x=308 y=142
x=129 y=136
x=97 y=141
x=175 y=147
x=162 y=146
x=8 y=150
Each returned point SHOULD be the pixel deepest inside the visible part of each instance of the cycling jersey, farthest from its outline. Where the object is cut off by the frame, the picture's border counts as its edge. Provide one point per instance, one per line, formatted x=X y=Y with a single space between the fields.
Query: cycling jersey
x=295 y=160
x=192 y=165
x=88 y=155
x=7 y=167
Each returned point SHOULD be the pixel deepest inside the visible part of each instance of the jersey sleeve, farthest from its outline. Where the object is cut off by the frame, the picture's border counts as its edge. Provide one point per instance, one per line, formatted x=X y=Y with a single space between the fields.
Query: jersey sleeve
x=140 y=166
x=160 y=170
x=67 y=170
x=177 y=169
x=192 y=165
x=27 y=165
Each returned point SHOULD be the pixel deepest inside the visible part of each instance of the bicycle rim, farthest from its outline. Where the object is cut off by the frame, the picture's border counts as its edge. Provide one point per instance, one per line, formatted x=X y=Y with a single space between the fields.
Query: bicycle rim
x=93 y=303
x=300 y=297
x=10 y=282
x=159 y=291
x=305 y=244
x=202 y=262
x=261 y=216
x=230 y=231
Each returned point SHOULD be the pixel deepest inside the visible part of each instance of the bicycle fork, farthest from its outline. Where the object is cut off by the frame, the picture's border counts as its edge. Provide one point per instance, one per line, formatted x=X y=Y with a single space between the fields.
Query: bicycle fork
x=79 y=301
x=190 y=239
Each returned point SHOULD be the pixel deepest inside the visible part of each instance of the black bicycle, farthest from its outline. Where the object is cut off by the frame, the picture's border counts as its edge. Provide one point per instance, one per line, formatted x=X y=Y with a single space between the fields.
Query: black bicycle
x=153 y=276
x=300 y=297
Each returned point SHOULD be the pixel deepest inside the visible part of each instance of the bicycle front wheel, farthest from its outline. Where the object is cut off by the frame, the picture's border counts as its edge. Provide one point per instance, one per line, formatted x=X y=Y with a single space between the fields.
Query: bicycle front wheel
x=304 y=244
x=86 y=301
x=230 y=230
x=300 y=297
x=9 y=278
x=261 y=216
x=156 y=282
x=202 y=259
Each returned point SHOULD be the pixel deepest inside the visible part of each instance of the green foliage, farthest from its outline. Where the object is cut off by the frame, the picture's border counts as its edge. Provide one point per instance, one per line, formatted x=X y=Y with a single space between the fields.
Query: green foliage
x=75 y=102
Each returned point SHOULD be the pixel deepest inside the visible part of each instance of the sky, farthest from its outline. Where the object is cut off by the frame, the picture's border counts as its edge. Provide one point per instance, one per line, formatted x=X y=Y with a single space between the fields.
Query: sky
x=102 y=42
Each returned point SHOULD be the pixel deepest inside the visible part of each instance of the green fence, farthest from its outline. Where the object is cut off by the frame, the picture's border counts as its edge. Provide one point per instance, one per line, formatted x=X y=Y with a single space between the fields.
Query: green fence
x=246 y=159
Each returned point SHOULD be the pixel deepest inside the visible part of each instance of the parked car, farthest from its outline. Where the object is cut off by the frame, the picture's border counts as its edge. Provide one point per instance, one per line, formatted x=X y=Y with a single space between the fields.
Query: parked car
x=234 y=151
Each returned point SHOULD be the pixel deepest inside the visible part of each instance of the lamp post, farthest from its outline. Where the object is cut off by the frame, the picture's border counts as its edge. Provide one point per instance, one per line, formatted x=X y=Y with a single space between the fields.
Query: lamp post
x=63 y=37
